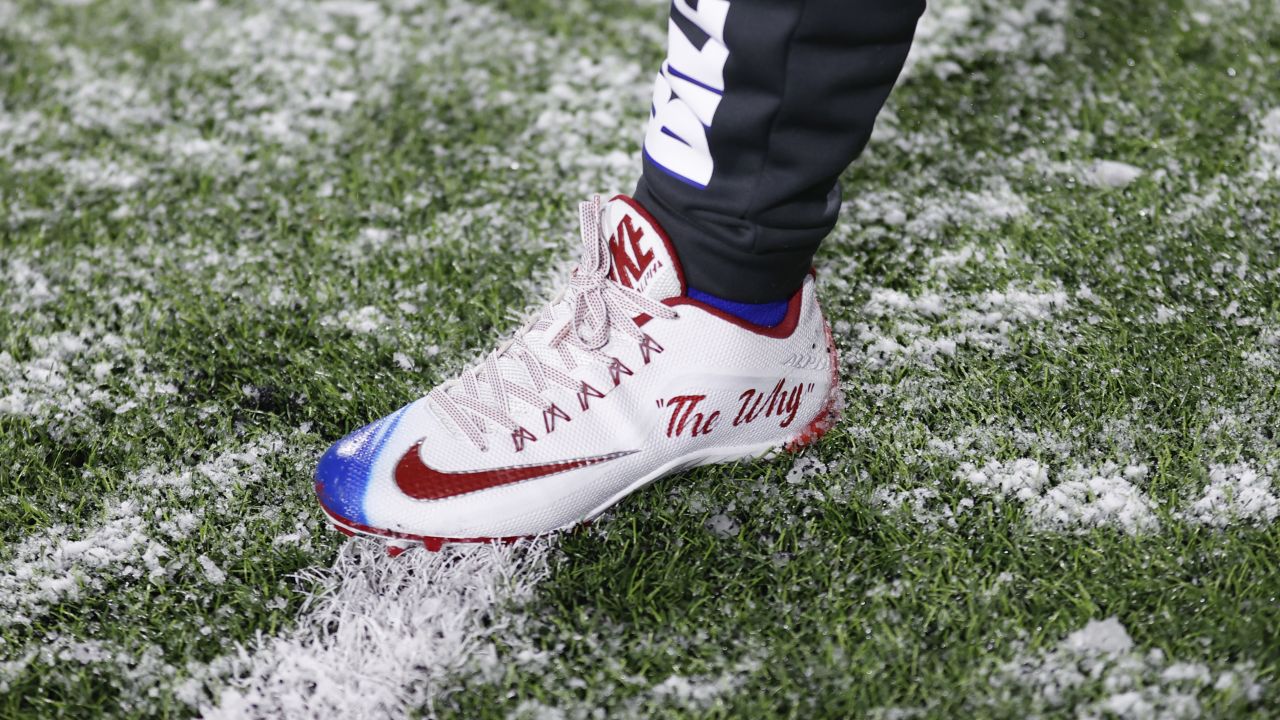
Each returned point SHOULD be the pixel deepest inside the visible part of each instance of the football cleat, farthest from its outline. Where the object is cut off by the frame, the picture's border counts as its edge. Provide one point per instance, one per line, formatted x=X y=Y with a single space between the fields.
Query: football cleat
x=620 y=380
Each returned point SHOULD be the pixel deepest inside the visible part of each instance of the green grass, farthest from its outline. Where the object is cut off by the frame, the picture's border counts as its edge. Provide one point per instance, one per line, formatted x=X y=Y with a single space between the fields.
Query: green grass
x=211 y=292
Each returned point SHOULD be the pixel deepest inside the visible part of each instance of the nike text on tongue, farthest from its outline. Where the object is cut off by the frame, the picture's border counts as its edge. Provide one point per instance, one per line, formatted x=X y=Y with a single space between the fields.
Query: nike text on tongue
x=640 y=254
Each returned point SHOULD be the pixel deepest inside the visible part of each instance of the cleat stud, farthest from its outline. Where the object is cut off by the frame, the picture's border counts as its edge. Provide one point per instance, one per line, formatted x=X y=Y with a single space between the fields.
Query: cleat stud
x=396 y=547
x=433 y=544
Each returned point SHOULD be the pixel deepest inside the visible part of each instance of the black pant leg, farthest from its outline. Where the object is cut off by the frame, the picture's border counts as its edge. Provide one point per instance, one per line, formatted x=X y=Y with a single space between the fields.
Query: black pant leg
x=758 y=108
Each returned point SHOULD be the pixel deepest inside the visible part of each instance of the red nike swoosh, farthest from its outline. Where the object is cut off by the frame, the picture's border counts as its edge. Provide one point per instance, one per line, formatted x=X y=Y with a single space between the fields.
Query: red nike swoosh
x=423 y=482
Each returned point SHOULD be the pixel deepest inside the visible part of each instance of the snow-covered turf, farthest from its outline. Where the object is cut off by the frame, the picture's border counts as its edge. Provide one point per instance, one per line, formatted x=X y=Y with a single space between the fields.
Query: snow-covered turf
x=231 y=232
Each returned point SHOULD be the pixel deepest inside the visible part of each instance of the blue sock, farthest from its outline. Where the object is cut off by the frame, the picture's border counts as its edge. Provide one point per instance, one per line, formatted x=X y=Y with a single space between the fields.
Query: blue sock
x=768 y=314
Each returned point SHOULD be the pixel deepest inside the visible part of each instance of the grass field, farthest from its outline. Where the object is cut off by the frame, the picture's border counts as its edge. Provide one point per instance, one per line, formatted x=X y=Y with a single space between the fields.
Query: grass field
x=230 y=232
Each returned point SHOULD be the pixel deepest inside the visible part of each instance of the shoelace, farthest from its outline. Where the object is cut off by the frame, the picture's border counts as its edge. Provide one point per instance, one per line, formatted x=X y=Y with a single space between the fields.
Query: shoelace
x=597 y=306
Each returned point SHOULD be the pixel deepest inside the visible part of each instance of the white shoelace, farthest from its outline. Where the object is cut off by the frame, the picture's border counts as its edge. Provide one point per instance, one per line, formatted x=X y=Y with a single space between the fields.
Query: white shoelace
x=597 y=306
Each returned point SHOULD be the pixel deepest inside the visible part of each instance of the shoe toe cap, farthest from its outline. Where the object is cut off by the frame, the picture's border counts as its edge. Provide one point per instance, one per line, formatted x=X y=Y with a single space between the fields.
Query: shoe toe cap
x=345 y=471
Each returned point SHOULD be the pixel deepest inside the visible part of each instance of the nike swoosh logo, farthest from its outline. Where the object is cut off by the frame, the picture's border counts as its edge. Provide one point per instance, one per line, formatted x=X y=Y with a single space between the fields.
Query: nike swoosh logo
x=423 y=482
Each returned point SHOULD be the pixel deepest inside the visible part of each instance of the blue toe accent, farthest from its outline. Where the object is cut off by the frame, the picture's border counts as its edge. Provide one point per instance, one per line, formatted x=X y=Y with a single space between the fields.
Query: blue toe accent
x=345 y=470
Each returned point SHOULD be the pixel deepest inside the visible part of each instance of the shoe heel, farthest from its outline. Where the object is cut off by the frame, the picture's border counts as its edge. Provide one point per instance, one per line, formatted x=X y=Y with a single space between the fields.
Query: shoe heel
x=832 y=408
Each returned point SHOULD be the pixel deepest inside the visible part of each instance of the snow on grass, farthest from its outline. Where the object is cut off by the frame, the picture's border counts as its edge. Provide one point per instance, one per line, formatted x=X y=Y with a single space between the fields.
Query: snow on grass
x=377 y=636
x=1082 y=503
x=1021 y=479
x=936 y=36
x=700 y=693
x=345 y=52
x=1079 y=500
x=136 y=539
x=1266 y=356
x=696 y=695
x=141 y=674
x=1095 y=502
x=153 y=534
x=293 y=76
x=294 y=70
x=64 y=377
x=59 y=564
x=953 y=32
x=1236 y=494
x=722 y=525
x=929 y=218
x=214 y=574
x=1111 y=174
x=805 y=467
x=303 y=91
x=919 y=329
x=920 y=505
x=92 y=95
x=1264 y=168
x=692 y=694
x=1266 y=154
x=1098 y=671
x=365 y=320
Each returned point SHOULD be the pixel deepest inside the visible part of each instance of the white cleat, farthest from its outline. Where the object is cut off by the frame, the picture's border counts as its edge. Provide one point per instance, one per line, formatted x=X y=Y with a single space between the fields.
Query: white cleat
x=620 y=380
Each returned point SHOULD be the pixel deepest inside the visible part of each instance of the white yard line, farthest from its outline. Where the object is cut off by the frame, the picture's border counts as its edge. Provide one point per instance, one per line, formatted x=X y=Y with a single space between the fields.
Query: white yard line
x=379 y=636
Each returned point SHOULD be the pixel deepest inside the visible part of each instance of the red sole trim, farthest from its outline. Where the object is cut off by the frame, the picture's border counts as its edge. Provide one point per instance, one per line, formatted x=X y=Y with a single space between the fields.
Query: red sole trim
x=434 y=544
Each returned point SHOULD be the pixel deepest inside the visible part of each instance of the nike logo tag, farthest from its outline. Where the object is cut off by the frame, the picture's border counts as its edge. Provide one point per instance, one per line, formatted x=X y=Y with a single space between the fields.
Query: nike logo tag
x=423 y=482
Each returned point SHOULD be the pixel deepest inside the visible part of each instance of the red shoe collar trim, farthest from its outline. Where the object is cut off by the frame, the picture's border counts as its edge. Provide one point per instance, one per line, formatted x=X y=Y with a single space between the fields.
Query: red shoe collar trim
x=783 y=329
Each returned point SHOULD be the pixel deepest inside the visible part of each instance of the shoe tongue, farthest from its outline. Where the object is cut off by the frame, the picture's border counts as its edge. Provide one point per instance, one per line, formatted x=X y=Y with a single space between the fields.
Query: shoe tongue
x=640 y=254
